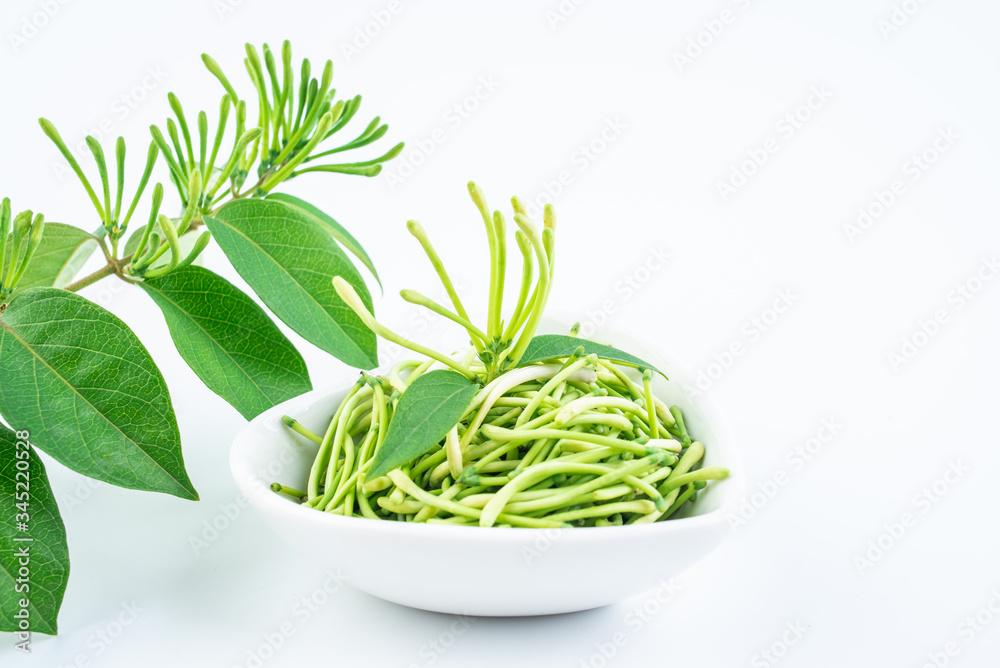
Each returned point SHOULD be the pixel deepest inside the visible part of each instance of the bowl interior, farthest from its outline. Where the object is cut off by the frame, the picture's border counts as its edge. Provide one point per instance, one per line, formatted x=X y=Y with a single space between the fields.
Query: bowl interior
x=267 y=452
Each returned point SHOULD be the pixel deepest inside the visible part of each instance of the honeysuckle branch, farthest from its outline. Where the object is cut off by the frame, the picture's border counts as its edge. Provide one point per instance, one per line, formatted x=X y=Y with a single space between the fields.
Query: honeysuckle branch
x=294 y=118
x=107 y=270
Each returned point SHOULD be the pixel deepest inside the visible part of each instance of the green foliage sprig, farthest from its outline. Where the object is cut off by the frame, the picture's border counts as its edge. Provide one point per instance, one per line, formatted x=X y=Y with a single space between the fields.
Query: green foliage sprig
x=74 y=378
x=25 y=232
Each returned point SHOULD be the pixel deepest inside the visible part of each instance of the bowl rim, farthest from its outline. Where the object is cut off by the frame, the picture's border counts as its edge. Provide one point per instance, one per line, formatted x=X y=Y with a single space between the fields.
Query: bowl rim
x=249 y=483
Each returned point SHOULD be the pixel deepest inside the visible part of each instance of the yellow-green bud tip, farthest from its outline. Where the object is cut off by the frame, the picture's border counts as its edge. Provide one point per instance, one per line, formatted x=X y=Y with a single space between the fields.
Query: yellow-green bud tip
x=48 y=128
x=518 y=205
x=347 y=292
x=476 y=193
x=194 y=185
x=22 y=222
x=37 y=227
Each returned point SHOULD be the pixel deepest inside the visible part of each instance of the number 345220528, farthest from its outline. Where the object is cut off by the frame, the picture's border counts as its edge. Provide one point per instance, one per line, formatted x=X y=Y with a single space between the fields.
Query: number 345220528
x=22 y=476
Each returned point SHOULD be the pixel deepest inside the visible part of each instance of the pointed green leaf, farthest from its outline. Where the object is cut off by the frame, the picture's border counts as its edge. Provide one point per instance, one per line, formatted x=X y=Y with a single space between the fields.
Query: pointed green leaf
x=228 y=340
x=428 y=409
x=23 y=479
x=554 y=346
x=335 y=229
x=63 y=250
x=73 y=265
x=82 y=384
x=290 y=262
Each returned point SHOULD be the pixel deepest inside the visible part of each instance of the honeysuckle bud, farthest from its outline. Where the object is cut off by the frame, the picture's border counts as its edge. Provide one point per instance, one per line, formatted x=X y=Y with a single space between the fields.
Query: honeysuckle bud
x=479 y=199
x=518 y=205
x=37 y=229
x=157 y=200
x=549 y=217
x=256 y=72
x=199 y=245
x=119 y=177
x=202 y=137
x=523 y=244
x=214 y=68
x=22 y=223
x=336 y=111
x=350 y=296
x=241 y=116
x=416 y=229
x=527 y=227
x=413 y=297
x=175 y=106
x=327 y=77
x=286 y=63
x=269 y=65
x=500 y=225
x=194 y=201
x=34 y=238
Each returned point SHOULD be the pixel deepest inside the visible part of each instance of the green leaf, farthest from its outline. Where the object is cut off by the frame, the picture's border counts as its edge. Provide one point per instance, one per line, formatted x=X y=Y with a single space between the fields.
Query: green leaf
x=228 y=340
x=47 y=550
x=428 y=409
x=290 y=262
x=335 y=229
x=63 y=250
x=554 y=346
x=79 y=380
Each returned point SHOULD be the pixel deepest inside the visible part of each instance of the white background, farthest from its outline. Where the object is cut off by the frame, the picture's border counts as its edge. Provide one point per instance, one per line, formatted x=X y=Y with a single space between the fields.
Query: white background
x=557 y=82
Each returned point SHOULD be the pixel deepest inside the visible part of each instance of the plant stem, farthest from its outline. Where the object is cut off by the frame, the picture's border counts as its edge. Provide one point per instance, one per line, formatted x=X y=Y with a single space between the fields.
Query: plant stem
x=104 y=271
x=112 y=267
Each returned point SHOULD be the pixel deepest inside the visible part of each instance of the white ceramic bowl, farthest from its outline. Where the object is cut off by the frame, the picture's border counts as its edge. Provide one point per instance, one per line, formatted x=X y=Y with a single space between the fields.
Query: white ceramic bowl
x=489 y=571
